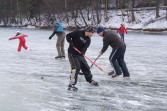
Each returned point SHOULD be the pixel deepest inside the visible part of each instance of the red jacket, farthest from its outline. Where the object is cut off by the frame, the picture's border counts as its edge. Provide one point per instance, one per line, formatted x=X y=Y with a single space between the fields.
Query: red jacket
x=20 y=36
x=122 y=30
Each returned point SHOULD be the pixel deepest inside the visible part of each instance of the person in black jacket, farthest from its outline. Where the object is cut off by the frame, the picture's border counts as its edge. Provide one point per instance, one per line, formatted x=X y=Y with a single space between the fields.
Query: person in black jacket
x=79 y=39
x=110 y=38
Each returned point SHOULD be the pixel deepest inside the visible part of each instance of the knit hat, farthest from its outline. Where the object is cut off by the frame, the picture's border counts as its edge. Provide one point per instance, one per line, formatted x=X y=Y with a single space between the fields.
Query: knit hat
x=51 y=19
x=100 y=29
x=17 y=31
x=89 y=29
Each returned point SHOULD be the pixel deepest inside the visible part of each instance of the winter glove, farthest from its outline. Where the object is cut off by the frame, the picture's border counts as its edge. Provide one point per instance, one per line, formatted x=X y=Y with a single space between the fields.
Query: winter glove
x=71 y=44
x=81 y=54
x=101 y=53
x=50 y=38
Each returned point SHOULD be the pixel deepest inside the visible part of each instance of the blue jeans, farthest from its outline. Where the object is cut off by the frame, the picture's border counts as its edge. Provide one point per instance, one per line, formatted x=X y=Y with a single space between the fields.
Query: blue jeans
x=117 y=61
x=122 y=36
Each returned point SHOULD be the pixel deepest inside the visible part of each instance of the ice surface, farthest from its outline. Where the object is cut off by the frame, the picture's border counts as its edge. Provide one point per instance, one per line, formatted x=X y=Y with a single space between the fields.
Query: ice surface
x=22 y=89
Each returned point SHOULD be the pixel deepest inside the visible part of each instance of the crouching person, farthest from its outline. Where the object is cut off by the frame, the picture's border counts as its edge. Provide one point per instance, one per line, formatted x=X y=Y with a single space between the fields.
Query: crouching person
x=116 y=58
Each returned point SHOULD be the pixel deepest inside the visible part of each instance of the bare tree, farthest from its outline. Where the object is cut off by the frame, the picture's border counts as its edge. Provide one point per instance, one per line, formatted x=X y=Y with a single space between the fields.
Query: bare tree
x=165 y=4
x=117 y=6
x=157 y=8
x=149 y=3
x=133 y=16
x=106 y=11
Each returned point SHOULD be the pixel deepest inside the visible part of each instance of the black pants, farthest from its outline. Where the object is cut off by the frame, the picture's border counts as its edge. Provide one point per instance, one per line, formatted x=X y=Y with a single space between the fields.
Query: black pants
x=77 y=63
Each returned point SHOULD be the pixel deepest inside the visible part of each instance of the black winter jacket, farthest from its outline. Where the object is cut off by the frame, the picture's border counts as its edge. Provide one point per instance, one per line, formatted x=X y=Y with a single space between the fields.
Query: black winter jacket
x=80 y=41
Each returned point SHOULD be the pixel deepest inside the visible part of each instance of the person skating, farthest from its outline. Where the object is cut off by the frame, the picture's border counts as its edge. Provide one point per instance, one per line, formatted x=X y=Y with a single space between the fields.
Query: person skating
x=22 y=40
x=58 y=30
x=122 y=30
x=116 y=57
x=79 y=39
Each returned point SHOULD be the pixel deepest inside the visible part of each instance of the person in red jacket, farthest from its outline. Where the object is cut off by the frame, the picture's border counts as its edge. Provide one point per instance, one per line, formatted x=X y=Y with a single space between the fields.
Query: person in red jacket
x=22 y=40
x=122 y=30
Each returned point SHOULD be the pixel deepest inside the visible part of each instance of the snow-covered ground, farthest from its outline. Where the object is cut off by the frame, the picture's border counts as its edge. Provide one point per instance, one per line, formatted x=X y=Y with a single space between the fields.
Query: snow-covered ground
x=142 y=19
x=22 y=89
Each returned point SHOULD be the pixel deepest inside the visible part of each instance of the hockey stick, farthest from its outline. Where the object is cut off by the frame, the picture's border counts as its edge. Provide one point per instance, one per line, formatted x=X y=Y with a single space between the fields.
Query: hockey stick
x=95 y=60
x=91 y=61
x=81 y=73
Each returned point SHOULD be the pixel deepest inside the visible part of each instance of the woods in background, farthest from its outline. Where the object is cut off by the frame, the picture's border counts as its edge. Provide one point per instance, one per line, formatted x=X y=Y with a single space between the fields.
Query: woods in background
x=37 y=11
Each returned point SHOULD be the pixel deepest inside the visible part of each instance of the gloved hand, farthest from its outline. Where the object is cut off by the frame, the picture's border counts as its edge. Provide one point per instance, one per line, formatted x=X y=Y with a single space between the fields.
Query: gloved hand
x=101 y=53
x=50 y=38
x=71 y=44
x=81 y=54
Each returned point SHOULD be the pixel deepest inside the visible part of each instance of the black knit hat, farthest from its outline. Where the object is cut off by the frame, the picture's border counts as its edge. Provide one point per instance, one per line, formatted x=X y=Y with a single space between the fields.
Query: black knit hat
x=51 y=19
x=89 y=29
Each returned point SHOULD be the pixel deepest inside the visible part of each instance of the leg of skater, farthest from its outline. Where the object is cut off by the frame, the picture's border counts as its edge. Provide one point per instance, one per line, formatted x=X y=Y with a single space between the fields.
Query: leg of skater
x=86 y=71
x=58 y=44
x=115 y=54
x=123 y=64
x=62 y=46
x=24 y=45
x=75 y=68
x=20 y=45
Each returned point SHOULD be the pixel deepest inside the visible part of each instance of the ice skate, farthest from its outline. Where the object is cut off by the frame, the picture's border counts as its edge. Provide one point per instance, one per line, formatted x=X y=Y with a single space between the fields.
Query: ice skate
x=94 y=83
x=111 y=73
x=116 y=76
x=63 y=57
x=58 y=57
x=128 y=77
x=72 y=88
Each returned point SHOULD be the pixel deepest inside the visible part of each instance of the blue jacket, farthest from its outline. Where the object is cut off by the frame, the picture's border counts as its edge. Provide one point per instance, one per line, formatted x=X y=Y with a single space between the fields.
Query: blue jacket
x=58 y=27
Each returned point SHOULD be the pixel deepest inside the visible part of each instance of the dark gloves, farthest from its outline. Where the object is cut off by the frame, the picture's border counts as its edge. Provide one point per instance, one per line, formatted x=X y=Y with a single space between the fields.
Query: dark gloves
x=50 y=38
x=71 y=44
x=81 y=54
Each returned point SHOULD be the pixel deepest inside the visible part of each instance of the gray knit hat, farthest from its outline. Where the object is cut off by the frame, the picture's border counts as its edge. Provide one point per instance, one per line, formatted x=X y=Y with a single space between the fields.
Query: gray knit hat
x=90 y=29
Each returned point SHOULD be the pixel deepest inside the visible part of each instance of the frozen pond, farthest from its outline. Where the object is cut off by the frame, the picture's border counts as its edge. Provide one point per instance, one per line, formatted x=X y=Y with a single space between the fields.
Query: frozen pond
x=22 y=89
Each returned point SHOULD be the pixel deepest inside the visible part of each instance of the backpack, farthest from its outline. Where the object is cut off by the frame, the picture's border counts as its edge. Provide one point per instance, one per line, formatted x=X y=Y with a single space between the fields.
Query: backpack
x=60 y=28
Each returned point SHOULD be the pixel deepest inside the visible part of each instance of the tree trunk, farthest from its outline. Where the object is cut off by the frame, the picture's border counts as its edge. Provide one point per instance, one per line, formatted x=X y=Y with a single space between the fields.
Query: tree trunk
x=65 y=2
x=166 y=13
x=157 y=8
x=117 y=4
x=83 y=17
x=97 y=13
x=165 y=2
x=149 y=3
x=67 y=19
x=133 y=3
x=11 y=12
x=106 y=5
x=133 y=16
